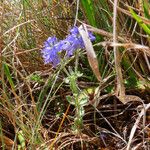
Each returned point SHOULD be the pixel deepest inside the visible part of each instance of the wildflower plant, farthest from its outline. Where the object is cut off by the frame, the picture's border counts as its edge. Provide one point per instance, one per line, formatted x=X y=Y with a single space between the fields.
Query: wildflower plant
x=52 y=54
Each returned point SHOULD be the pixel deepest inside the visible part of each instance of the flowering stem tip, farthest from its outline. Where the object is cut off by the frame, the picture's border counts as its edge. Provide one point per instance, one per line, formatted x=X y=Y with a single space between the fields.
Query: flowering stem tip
x=53 y=47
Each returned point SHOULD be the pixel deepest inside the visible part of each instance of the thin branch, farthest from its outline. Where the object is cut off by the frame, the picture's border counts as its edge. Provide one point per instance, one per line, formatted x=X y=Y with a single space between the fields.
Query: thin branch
x=77 y=10
x=120 y=87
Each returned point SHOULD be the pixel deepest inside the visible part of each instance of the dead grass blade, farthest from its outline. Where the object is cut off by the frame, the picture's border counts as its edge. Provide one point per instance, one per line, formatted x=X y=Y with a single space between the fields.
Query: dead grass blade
x=90 y=51
x=105 y=33
x=120 y=86
x=145 y=20
x=7 y=142
x=142 y=113
x=130 y=45
x=53 y=142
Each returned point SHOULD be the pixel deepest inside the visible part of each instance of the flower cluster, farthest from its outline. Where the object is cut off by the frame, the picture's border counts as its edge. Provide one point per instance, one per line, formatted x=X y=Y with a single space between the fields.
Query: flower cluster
x=53 y=47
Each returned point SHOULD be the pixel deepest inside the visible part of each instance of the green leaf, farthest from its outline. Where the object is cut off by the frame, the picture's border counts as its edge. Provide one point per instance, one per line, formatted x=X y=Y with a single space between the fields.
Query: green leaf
x=81 y=112
x=71 y=100
x=8 y=75
x=78 y=122
x=89 y=10
x=83 y=101
x=36 y=78
x=21 y=139
x=146 y=7
x=140 y=22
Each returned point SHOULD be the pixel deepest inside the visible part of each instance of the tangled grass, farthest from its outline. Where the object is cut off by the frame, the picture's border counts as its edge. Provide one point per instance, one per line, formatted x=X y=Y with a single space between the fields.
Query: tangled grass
x=42 y=107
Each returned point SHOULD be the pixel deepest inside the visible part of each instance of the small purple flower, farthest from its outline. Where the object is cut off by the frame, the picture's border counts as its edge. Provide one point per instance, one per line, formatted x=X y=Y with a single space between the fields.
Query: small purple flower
x=53 y=47
x=72 y=43
x=50 y=51
x=50 y=42
x=74 y=30
x=91 y=36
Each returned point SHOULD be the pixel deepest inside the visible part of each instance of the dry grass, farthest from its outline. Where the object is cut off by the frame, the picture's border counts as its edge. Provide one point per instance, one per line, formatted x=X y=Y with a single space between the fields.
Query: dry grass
x=34 y=112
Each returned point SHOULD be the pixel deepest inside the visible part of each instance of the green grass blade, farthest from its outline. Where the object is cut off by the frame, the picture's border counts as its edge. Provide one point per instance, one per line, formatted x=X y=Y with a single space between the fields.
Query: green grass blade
x=146 y=7
x=89 y=10
x=8 y=75
x=140 y=22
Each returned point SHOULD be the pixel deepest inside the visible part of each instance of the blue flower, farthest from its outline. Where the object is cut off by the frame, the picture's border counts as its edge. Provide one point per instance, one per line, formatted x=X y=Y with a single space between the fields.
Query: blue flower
x=50 y=51
x=91 y=36
x=50 y=42
x=72 y=43
x=53 y=47
x=74 y=30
